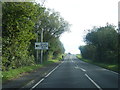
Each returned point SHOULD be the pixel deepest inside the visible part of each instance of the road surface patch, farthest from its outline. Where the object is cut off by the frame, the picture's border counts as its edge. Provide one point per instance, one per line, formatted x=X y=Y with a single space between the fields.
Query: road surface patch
x=93 y=82
x=45 y=77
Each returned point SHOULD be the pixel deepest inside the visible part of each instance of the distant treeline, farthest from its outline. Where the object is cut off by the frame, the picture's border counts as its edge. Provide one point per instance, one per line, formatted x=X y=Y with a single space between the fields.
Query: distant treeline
x=22 y=23
x=102 y=44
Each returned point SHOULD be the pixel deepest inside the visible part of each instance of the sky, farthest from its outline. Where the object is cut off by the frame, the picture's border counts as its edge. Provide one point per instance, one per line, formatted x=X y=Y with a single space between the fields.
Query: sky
x=83 y=15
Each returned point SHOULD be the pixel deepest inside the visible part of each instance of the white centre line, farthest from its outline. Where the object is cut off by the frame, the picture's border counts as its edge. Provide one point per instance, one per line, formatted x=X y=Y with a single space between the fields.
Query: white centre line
x=83 y=69
x=93 y=82
x=80 y=68
x=45 y=77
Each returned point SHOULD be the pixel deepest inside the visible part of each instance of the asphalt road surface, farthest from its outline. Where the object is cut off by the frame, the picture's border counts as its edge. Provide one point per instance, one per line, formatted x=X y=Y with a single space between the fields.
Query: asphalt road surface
x=74 y=73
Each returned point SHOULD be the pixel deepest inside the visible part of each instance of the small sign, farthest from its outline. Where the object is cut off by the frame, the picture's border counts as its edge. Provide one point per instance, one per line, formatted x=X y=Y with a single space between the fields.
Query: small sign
x=41 y=45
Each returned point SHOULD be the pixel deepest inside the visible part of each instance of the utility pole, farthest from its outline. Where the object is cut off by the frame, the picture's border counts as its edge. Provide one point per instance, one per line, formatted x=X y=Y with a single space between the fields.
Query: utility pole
x=41 y=49
x=37 y=49
x=43 y=1
x=41 y=60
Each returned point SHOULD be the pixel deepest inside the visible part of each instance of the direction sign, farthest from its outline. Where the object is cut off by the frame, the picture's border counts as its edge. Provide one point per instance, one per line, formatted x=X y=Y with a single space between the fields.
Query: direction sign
x=41 y=45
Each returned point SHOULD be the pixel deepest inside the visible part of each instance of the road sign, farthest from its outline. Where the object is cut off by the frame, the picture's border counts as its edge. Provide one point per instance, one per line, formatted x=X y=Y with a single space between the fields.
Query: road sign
x=41 y=45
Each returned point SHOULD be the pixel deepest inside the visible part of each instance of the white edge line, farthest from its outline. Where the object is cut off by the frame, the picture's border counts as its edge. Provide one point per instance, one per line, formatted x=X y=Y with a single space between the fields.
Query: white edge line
x=103 y=68
x=37 y=83
x=93 y=82
x=45 y=76
x=111 y=71
x=52 y=71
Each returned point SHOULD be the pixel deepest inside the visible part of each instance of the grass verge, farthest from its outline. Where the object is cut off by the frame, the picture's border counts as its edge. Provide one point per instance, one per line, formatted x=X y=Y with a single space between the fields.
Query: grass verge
x=15 y=73
x=113 y=67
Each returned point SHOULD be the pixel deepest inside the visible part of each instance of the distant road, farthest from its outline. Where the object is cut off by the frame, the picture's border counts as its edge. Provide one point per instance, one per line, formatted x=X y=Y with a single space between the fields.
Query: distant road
x=74 y=73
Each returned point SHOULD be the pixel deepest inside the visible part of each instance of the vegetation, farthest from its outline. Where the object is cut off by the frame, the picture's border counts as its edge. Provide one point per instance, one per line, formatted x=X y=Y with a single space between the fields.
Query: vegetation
x=113 y=67
x=101 y=45
x=22 y=24
x=15 y=73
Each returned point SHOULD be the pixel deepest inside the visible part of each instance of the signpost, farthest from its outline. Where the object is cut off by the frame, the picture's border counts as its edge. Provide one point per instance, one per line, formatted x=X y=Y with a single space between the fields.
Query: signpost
x=41 y=45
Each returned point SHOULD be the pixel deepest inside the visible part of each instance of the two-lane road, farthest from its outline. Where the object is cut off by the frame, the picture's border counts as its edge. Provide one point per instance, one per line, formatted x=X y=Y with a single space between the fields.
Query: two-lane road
x=74 y=73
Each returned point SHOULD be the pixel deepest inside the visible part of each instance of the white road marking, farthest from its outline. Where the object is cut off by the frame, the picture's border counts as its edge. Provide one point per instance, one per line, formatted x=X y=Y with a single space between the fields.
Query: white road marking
x=100 y=67
x=52 y=71
x=37 y=83
x=45 y=77
x=93 y=82
x=77 y=67
x=111 y=71
x=47 y=74
x=83 y=69
x=73 y=61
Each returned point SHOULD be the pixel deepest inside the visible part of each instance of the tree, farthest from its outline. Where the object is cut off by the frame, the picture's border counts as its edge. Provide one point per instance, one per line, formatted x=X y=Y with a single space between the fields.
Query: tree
x=88 y=51
x=53 y=25
x=19 y=19
x=105 y=40
x=21 y=22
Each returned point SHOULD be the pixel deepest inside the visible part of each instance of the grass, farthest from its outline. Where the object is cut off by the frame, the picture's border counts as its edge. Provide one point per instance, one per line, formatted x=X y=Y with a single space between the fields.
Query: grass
x=113 y=67
x=15 y=73
x=51 y=61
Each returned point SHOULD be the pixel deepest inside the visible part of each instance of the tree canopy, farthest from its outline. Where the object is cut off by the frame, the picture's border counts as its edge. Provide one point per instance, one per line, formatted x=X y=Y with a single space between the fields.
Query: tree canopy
x=22 y=23
x=102 y=44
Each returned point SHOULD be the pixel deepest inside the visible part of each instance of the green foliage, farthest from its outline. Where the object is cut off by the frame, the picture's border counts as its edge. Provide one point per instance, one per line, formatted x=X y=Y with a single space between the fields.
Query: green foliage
x=88 y=51
x=19 y=19
x=53 y=26
x=78 y=56
x=102 y=45
x=14 y=73
x=22 y=24
x=56 y=47
x=113 y=67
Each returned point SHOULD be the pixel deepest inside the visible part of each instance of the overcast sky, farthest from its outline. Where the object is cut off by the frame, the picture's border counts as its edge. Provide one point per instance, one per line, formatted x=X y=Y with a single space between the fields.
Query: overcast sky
x=83 y=15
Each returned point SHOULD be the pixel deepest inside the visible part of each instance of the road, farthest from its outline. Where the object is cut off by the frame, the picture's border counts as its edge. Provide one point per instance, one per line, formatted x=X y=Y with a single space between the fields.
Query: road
x=74 y=73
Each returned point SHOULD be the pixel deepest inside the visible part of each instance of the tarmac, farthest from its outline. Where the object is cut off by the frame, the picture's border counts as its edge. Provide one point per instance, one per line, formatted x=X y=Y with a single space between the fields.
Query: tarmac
x=26 y=80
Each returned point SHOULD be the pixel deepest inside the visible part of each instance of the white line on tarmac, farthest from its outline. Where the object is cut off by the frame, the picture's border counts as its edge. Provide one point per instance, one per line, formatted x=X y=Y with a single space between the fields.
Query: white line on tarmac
x=111 y=71
x=77 y=66
x=83 y=69
x=37 y=83
x=73 y=61
x=45 y=76
x=80 y=68
x=52 y=71
x=93 y=82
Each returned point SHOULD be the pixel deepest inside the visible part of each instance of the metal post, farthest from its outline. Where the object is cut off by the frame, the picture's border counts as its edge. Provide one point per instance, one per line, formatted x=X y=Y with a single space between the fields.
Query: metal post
x=41 y=50
x=37 y=49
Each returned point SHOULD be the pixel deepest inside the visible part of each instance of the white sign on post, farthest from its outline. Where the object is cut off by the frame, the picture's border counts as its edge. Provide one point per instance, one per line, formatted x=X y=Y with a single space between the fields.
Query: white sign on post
x=41 y=45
